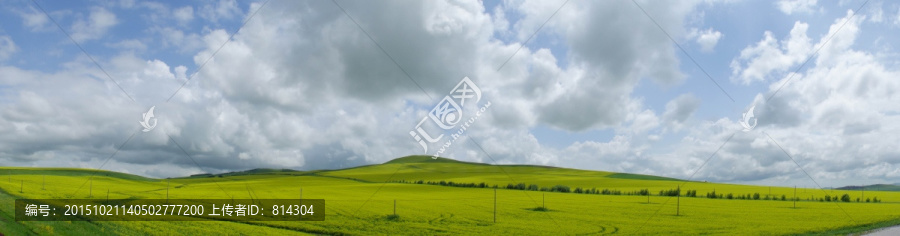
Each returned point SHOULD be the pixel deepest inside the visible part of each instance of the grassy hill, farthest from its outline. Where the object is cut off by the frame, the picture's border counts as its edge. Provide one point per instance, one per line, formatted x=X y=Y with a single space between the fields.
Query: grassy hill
x=258 y=171
x=70 y=172
x=425 y=159
x=874 y=187
x=360 y=201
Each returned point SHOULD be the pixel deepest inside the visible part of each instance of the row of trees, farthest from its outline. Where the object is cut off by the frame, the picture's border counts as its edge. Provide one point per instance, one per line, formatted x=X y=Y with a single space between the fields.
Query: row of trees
x=642 y=192
x=844 y=198
x=674 y=192
x=531 y=187
x=453 y=184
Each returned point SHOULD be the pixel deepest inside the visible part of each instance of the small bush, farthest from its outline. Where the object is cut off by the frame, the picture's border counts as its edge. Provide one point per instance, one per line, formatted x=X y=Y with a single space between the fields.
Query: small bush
x=610 y=192
x=519 y=186
x=644 y=192
x=845 y=198
x=540 y=209
x=393 y=217
x=560 y=188
x=670 y=192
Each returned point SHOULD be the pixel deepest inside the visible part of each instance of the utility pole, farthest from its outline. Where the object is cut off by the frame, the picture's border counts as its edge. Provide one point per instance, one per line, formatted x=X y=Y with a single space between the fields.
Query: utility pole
x=22 y=187
x=167 y=191
x=678 y=196
x=395 y=207
x=495 y=205
x=795 y=196
x=107 y=197
x=543 y=200
x=91 y=189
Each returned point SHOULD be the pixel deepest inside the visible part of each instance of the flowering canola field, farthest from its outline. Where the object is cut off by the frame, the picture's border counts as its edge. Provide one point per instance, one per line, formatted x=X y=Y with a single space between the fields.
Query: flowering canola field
x=362 y=201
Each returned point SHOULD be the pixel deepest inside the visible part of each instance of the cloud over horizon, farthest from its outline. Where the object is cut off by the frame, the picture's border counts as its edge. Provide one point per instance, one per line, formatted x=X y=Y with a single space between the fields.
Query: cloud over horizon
x=600 y=86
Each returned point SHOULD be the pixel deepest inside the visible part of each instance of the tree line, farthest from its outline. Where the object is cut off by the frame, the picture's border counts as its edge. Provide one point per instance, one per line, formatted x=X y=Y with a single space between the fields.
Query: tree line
x=642 y=192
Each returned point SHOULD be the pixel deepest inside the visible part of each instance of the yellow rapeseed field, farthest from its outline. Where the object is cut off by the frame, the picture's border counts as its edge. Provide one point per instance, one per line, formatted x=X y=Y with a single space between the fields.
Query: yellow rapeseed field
x=361 y=201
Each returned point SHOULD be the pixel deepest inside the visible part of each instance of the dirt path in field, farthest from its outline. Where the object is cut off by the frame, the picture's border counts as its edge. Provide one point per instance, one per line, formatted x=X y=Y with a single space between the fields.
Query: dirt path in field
x=889 y=231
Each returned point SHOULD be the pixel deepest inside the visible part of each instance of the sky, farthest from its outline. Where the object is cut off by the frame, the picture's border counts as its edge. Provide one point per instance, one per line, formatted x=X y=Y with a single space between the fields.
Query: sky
x=659 y=88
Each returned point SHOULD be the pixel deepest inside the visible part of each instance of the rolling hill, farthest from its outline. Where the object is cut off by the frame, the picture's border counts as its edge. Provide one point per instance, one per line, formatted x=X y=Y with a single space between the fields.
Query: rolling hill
x=874 y=187
x=362 y=200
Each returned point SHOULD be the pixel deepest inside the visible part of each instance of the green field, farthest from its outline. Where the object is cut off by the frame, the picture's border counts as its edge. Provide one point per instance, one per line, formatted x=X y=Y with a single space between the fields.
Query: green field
x=360 y=201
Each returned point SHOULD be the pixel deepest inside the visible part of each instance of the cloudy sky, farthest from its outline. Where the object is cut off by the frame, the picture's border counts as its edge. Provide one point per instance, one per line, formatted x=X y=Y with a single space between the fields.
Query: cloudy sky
x=623 y=86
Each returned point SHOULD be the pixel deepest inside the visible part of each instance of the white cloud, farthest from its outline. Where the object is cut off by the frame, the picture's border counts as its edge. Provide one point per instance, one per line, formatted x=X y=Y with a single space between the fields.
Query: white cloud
x=843 y=36
x=606 y=60
x=756 y=63
x=35 y=20
x=678 y=110
x=95 y=26
x=796 y=6
x=184 y=14
x=707 y=39
x=7 y=47
x=220 y=10
x=619 y=154
x=324 y=95
x=644 y=122
x=897 y=18
x=877 y=13
x=834 y=120
x=179 y=40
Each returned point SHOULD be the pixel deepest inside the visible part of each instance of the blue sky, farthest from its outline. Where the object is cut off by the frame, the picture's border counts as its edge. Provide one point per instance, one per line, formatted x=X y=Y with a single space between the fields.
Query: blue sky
x=599 y=86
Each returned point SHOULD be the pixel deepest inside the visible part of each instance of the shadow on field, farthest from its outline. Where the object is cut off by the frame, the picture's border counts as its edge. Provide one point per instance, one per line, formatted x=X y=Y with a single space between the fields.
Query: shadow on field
x=392 y=217
x=538 y=209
